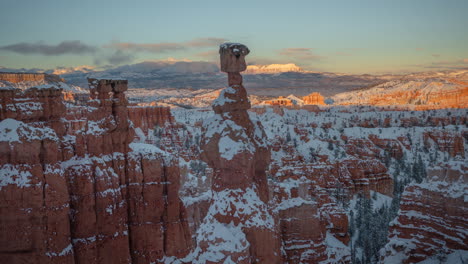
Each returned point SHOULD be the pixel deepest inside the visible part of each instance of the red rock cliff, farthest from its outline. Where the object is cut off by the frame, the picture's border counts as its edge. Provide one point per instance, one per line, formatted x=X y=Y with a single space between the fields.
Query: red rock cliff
x=29 y=77
x=432 y=218
x=74 y=189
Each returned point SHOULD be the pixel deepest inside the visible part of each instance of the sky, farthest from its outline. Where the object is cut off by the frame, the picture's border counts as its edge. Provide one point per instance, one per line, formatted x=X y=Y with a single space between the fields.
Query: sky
x=348 y=36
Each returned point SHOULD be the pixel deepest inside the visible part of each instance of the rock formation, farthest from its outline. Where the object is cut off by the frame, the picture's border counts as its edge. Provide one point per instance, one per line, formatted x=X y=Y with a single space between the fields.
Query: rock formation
x=239 y=226
x=75 y=189
x=79 y=182
x=314 y=99
x=29 y=77
x=280 y=101
x=420 y=93
x=432 y=218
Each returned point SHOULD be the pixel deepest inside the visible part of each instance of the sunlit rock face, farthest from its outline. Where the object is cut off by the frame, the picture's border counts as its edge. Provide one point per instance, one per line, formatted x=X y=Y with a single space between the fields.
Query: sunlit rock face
x=422 y=93
x=314 y=99
x=75 y=189
x=29 y=77
x=432 y=218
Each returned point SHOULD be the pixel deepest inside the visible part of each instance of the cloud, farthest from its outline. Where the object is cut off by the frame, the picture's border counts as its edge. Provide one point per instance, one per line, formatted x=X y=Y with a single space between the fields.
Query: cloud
x=446 y=64
x=6 y=69
x=119 y=57
x=113 y=58
x=75 y=47
x=166 y=46
x=301 y=54
x=152 y=47
x=459 y=62
x=210 y=55
x=435 y=55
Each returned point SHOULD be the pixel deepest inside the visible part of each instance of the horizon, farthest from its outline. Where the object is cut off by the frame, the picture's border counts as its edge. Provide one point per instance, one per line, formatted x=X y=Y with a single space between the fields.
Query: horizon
x=60 y=70
x=333 y=36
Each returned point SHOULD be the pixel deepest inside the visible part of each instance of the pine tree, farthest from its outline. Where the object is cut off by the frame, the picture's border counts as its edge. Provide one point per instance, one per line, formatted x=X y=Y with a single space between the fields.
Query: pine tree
x=330 y=145
x=288 y=137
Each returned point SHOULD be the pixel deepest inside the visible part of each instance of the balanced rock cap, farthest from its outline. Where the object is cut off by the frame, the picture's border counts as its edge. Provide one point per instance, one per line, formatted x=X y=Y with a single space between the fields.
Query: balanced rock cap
x=232 y=56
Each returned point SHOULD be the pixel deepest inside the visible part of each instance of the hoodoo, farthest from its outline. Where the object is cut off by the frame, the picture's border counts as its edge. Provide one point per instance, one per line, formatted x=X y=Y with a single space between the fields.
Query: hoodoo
x=239 y=226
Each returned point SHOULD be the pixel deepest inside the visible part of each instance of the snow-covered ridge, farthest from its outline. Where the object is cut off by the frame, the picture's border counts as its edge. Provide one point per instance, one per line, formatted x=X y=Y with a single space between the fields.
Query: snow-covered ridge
x=443 y=89
x=273 y=68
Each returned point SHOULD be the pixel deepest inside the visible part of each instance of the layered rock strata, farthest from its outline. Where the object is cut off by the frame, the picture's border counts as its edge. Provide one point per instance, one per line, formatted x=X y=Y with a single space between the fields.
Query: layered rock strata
x=75 y=189
x=432 y=218
x=29 y=77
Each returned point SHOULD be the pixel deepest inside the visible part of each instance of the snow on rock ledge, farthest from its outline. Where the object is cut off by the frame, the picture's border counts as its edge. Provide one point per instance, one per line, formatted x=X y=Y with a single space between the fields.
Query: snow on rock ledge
x=12 y=130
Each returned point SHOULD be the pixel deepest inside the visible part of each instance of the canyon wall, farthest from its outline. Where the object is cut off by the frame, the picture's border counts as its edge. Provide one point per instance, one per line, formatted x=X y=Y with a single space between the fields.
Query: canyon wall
x=432 y=218
x=75 y=189
x=418 y=94
x=29 y=77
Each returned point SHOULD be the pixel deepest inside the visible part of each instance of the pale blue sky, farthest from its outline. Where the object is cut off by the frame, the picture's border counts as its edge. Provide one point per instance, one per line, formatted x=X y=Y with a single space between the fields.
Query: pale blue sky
x=341 y=36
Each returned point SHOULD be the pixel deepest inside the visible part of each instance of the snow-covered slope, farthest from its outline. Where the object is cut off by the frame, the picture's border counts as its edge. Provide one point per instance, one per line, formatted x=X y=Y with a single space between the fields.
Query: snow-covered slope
x=273 y=68
x=423 y=91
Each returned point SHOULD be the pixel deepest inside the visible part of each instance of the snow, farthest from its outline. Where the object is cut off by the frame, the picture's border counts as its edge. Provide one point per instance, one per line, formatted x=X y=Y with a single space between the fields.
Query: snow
x=217 y=241
x=455 y=257
x=233 y=139
x=336 y=251
x=293 y=202
x=243 y=204
x=380 y=200
x=272 y=68
x=227 y=45
x=189 y=200
x=423 y=88
x=228 y=148
x=25 y=85
x=12 y=130
x=86 y=240
x=218 y=125
x=150 y=151
x=147 y=149
x=140 y=134
x=222 y=241
x=9 y=130
x=222 y=99
x=19 y=175
x=26 y=108
x=445 y=184
x=67 y=250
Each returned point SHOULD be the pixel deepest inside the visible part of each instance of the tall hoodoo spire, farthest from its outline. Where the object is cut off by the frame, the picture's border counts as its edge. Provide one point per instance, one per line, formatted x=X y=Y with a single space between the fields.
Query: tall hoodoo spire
x=235 y=147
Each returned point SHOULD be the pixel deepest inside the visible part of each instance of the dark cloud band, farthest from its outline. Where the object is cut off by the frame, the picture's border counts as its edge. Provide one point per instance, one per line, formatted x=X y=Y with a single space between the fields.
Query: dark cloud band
x=166 y=47
x=65 y=47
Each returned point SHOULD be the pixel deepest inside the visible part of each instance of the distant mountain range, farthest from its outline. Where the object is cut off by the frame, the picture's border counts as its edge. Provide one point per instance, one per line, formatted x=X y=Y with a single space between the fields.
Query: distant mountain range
x=263 y=80
x=267 y=81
